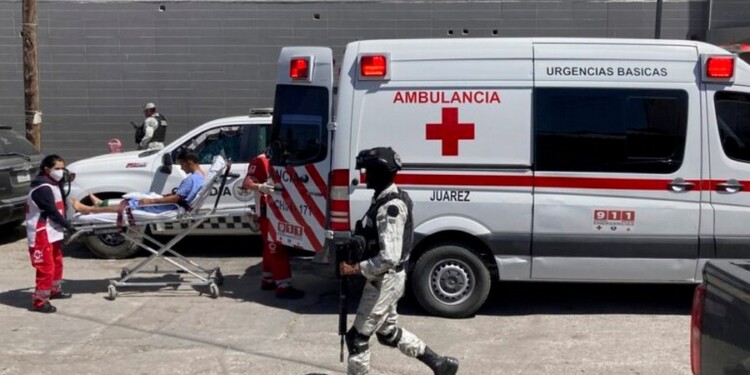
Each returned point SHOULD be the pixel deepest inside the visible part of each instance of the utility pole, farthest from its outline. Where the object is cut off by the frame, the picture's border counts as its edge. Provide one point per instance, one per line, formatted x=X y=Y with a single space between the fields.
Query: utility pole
x=31 y=75
x=657 y=27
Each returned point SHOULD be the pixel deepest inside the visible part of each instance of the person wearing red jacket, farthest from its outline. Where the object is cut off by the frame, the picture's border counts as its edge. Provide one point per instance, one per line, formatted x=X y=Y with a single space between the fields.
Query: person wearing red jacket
x=277 y=271
x=45 y=226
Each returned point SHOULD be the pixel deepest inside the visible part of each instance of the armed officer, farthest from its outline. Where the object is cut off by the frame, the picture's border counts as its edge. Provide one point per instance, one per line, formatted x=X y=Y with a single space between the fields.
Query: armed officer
x=152 y=133
x=386 y=232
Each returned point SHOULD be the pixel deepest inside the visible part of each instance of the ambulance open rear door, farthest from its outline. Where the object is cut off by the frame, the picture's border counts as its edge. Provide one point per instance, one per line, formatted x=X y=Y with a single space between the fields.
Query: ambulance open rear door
x=300 y=143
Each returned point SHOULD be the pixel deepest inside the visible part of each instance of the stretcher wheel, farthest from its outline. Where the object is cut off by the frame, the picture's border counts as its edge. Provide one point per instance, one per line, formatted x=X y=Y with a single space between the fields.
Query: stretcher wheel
x=214 y=290
x=219 y=278
x=112 y=292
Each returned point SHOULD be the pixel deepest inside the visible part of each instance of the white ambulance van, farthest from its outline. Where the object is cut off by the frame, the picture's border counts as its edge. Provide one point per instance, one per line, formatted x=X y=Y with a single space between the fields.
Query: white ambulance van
x=238 y=138
x=594 y=160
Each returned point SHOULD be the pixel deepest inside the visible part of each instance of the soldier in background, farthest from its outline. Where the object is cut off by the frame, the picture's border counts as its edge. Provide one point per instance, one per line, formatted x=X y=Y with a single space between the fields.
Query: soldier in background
x=152 y=133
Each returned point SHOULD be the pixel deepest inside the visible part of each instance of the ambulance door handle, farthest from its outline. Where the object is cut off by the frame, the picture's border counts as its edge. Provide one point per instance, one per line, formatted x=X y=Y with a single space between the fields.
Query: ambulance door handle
x=680 y=185
x=731 y=186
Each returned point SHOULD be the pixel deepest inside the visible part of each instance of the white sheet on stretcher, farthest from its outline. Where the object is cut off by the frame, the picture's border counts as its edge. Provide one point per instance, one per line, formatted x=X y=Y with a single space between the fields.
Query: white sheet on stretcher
x=140 y=216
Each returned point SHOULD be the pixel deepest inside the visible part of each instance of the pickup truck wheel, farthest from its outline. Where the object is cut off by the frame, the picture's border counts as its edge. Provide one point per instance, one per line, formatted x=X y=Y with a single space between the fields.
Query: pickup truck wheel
x=451 y=281
x=110 y=246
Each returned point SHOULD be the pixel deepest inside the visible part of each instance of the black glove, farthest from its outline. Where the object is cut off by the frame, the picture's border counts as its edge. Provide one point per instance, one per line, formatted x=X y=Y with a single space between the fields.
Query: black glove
x=70 y=229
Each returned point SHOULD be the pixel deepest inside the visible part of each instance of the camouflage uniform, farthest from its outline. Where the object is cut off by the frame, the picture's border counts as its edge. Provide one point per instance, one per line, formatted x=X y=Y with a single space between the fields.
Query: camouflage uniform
x=388 y=225
x=385 y=286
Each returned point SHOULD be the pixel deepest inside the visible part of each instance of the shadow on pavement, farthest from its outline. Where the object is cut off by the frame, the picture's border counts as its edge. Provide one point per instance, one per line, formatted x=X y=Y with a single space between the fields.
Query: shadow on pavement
x=10 y=234
x=506 y=298
x=192 y=246
x=21 y=298
x=321 y=290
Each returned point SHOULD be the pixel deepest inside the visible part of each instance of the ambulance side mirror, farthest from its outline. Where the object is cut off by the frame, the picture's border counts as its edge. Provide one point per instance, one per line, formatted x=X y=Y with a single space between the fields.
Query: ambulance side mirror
x=166 y=163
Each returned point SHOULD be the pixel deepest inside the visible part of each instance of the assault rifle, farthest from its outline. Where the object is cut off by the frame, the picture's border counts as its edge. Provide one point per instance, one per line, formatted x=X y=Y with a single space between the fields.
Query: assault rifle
x=349 y=251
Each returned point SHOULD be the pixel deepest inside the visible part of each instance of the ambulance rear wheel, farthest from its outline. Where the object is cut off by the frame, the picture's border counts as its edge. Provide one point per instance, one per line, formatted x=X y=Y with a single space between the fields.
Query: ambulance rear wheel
x=110 y=246
x=451 y=281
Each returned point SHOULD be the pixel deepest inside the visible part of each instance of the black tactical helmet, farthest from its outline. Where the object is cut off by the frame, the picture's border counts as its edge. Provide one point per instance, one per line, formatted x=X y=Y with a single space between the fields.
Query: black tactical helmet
x=379 y=157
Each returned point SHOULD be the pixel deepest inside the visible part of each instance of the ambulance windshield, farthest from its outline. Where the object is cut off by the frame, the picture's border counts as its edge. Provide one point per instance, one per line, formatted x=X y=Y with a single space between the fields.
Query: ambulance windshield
x=298 y=134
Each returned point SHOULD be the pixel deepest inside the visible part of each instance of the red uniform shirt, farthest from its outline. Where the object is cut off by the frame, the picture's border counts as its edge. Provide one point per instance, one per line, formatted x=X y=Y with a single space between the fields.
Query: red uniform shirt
x=258 y=170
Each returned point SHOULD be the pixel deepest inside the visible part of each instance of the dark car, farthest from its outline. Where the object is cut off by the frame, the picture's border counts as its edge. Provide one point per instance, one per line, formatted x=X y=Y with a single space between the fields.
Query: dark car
x=19 y=163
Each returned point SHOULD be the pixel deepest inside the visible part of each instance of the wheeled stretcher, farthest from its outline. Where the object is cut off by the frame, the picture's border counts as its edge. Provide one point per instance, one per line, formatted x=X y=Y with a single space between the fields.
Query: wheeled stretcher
x=131 y=223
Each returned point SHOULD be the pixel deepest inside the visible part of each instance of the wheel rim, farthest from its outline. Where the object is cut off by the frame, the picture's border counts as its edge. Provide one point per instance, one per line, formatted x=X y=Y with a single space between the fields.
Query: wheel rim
x=112 y=239
x=451 y=281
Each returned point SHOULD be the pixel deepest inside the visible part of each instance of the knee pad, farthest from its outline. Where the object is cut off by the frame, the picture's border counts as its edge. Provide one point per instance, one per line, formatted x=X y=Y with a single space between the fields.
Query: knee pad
x=391 y=339
x=356 y=342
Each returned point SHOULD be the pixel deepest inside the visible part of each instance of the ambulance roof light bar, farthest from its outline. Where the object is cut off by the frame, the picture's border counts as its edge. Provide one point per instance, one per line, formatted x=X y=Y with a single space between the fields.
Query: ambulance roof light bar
x=300 y=68
x=719 y=68
x=374 y=66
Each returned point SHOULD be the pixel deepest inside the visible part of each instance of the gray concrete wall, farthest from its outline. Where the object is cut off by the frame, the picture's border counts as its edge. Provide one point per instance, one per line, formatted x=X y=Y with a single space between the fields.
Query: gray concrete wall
x=730 y=13
x=199 y=60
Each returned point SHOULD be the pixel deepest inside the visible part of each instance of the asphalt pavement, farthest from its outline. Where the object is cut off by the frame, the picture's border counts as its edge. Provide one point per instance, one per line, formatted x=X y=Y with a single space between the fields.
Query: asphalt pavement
x=525 y=328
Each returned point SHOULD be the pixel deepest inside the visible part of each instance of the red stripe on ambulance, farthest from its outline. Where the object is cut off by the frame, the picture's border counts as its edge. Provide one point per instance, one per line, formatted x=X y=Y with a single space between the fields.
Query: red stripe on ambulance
x=607 y=183
x=311 y=205
x=461 y=180
x=309 y=233
x=317 y=179
x=272 y=233
x=542 y=182
x=276 y=213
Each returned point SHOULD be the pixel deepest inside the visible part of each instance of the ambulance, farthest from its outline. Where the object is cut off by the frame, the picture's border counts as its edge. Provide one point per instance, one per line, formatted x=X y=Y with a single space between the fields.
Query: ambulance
x=538 y=159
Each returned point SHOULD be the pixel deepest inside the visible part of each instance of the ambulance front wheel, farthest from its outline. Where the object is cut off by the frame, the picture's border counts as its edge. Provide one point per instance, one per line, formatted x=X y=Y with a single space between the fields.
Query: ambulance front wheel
x=451 y=281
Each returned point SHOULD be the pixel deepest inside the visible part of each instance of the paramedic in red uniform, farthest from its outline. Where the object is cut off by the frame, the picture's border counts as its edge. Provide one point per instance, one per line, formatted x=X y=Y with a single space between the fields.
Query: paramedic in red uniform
x=277 y=272
x=45 y=226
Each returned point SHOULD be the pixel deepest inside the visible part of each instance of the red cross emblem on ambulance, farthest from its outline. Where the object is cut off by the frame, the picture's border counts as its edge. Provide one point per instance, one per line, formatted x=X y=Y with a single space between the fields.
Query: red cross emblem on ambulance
x=450 y=131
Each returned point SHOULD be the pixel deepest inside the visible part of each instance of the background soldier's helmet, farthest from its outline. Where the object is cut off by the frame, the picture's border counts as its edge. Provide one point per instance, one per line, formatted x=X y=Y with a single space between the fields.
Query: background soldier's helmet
x=383 y=157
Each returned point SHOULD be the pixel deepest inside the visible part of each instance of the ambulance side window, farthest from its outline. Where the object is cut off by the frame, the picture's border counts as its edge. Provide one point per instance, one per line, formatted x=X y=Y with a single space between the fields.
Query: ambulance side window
x=733 y=120
x=609 y=130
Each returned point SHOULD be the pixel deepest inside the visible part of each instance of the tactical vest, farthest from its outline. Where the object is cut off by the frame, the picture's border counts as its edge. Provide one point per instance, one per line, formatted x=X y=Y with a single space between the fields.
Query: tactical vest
x=370 y=232
x=161 y=131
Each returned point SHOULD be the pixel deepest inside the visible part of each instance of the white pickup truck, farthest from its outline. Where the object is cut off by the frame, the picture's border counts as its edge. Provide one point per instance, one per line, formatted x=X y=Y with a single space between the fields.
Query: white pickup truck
x=110 y=176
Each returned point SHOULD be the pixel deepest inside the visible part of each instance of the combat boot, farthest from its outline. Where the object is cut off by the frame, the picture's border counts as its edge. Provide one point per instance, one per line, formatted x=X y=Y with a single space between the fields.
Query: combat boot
x=440 y=365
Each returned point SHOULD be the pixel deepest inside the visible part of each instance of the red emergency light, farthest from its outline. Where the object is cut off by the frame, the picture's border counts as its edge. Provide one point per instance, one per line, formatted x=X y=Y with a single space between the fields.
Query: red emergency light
x=299 y=68
x=373 y=66
x=720 y=67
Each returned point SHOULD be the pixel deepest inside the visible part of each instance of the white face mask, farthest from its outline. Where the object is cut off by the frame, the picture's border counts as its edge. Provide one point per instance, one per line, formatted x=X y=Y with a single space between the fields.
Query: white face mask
x=56 y=174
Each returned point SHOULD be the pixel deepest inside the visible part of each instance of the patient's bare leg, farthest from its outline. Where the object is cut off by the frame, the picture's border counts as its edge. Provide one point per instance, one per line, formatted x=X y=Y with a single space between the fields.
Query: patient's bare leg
x=84 y=209
x=95 y=200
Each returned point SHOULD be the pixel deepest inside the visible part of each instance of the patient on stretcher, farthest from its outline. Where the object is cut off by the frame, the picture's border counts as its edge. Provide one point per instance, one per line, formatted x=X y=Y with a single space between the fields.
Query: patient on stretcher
x=155 y=203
